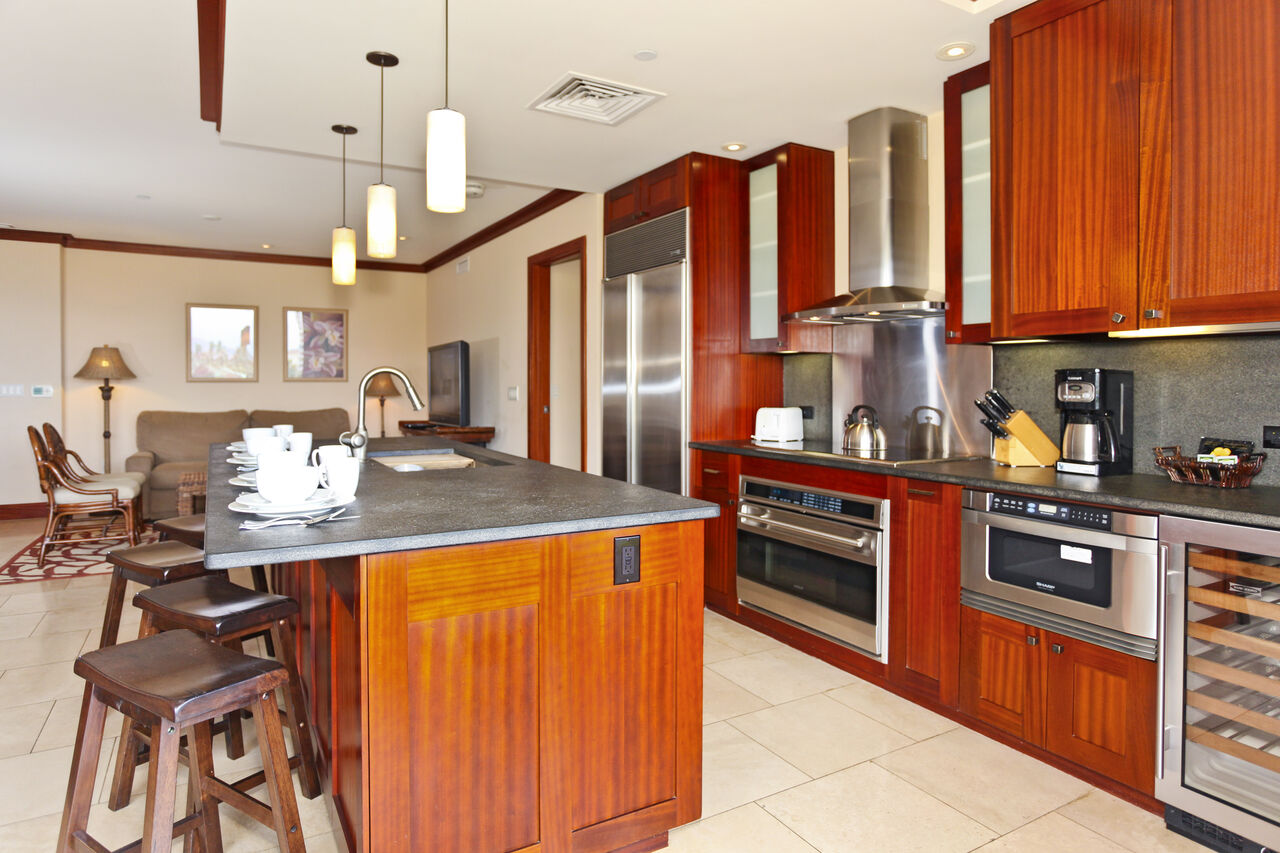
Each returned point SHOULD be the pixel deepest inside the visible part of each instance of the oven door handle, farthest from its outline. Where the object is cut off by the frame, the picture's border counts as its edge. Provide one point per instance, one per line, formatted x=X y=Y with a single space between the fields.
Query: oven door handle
x=853 y=549
x=1065 y=533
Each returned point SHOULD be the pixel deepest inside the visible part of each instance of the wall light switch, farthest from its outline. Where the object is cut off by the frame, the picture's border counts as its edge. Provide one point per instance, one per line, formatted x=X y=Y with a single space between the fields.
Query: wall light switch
x=41 y=390
x=11 y=390
x=513 y=392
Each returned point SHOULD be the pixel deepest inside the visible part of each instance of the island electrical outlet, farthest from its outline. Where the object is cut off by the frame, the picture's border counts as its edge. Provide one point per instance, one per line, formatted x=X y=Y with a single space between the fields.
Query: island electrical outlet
x=626 y=559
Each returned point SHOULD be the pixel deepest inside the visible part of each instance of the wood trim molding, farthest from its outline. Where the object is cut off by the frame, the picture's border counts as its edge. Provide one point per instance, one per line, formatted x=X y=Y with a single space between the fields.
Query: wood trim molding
x=539 y=283
x=211 y=25
x=33 y=510
x=528 y=213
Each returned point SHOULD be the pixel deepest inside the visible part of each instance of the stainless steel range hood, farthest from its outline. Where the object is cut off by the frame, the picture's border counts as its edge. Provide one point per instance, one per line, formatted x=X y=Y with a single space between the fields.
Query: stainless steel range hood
x=888 y=223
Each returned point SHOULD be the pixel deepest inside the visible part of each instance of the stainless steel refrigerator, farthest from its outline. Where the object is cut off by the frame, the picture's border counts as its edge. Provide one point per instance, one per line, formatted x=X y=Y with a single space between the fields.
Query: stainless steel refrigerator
x=646 y=353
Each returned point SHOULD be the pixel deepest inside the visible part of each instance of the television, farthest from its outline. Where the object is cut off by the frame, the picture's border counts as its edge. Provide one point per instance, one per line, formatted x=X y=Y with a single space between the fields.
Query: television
x=449 y=383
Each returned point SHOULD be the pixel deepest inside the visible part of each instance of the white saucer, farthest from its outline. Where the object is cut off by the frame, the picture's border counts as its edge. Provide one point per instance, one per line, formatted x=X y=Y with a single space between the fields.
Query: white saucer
x=243 y=459
x=313 y=505
x=237 y=447
x=243 y=480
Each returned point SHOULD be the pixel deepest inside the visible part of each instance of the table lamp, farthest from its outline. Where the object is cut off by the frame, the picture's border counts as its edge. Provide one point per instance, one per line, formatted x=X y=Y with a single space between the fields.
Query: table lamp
x=105 y=363
x=382 y=386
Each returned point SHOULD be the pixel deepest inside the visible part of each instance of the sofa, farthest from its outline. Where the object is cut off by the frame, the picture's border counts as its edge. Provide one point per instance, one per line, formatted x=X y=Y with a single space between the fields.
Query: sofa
x=171 y=444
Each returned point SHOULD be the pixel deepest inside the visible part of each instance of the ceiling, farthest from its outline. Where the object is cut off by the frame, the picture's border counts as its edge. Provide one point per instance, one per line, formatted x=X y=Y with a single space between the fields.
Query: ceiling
x=101 y=105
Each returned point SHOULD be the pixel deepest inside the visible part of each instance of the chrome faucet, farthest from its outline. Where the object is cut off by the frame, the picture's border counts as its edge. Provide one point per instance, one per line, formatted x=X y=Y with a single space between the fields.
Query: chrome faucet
x=358 y=440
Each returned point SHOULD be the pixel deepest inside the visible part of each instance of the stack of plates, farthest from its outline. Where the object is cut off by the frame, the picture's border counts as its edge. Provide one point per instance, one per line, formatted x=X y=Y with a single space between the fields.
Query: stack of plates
x=255 y=504
x=238 y=447
x=247 y=479
x=243 y=459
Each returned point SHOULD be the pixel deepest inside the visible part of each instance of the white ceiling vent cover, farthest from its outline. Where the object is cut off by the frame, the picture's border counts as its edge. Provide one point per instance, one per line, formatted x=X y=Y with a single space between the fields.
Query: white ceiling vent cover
x=973 y=6
x=593 y=99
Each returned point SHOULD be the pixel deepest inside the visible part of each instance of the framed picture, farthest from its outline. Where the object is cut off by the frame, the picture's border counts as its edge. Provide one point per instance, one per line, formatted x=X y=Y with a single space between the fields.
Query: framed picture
x=222 y=343
x=315 y=345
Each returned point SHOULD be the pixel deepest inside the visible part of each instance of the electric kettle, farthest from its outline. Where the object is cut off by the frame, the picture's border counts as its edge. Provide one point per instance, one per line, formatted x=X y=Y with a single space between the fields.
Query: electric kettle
x=862 y=431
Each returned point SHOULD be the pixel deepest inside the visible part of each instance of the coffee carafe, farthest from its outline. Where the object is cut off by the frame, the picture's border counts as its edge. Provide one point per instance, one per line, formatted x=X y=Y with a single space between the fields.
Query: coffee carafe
x=1095 y=406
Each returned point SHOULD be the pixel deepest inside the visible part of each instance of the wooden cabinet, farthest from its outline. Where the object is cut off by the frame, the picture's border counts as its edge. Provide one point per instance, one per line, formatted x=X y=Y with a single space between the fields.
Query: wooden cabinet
x=924 y=588
x=966 y=101
x=1065 y=119
x=715 y=479
x=664 y=190
x=790 y=200
x=1092 y=706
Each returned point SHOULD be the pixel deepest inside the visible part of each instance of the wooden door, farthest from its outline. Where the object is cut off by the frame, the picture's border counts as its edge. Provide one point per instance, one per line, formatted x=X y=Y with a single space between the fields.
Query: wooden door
x=539 y=343
x=665 y=189
x=924 y=588
x=715 y=479
x=1065 y=119
x=1000 y=674
x=1100 y=710
x=1223 y=162
x=622 y=206
x=968 y=219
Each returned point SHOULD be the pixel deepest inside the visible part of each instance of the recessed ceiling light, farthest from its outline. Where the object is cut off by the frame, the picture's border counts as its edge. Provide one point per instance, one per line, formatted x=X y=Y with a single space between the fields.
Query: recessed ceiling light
x=402 y=237
x=211 y=217
x=646 y=55
x=955 y=50
x=266 y=245
x=734 y=146
x=142 y=197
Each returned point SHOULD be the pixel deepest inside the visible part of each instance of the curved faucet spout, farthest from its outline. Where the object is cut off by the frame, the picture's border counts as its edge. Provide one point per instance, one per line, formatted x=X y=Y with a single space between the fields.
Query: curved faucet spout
x=358 y=440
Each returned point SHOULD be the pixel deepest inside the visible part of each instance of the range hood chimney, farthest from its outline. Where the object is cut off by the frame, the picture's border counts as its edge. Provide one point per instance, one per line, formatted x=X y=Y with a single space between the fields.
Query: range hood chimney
x=888 y=223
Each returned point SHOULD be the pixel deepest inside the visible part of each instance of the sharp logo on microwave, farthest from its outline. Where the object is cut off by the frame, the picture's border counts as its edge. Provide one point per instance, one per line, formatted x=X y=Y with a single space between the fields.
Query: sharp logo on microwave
x=1245 y=590
x=1047 y=587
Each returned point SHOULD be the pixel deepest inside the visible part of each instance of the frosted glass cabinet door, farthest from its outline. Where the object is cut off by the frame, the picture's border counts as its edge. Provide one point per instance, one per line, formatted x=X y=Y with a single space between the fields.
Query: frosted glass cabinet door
x=762 y=187
x=967 y=128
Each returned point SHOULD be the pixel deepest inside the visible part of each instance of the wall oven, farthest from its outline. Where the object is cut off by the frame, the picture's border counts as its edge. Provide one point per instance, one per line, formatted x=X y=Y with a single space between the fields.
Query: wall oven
x=1083 y=571
x=815 y=558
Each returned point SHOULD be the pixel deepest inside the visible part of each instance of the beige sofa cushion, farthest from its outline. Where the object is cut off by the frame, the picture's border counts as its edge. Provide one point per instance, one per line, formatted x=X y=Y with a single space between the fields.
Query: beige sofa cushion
x=321 y=423
x=184 y=436
x=166 y=476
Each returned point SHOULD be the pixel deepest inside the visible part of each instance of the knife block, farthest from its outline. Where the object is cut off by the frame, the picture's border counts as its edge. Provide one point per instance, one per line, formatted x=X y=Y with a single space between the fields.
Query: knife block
x=1026 y=446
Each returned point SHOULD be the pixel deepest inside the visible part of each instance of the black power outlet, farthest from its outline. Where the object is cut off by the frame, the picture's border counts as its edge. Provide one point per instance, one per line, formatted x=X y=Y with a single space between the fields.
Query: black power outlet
x=1271 y=436
x=626 y=559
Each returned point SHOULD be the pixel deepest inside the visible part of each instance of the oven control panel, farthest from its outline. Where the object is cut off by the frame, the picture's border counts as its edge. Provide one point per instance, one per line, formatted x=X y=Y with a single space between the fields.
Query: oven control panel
x=1066 y=513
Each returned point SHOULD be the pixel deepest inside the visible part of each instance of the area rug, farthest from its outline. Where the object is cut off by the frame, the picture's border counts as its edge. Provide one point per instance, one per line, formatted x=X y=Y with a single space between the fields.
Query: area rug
x=67 y=560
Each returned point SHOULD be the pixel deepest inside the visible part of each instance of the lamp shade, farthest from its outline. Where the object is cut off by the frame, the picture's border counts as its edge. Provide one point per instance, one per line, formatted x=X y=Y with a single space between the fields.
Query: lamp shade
x=344 y=255
x=382 y=385
x=105 y=363
x=446 y=161
x=381 y=225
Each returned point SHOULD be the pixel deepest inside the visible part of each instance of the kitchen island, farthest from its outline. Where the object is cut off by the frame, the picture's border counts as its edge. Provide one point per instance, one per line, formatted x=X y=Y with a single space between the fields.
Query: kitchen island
x=498 y=658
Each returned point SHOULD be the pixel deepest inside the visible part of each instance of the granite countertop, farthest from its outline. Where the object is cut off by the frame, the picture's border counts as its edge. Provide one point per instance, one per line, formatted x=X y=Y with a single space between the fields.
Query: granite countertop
x=1156 y=493
x=503 y=497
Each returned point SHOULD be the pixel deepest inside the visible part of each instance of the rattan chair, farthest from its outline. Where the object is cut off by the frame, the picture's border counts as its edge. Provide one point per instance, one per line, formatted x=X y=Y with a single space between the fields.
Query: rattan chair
x=80 y=470
x=81 y=511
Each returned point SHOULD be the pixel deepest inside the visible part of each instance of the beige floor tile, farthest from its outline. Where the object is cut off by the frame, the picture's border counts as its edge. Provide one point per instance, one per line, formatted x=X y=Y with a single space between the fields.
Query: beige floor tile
x=1127 y=825
x=28 y=587
x=20 y=727
x=45 y=648
x=782 y=674
x=714 y=650
x=737 y=770
x=819 y=735
x=90 y=617
x=991 y=783
x=12 y=627
x=36 y=784
x=98 y=581
x=722 y=699
x=63 y=721
x=747 y=827
x=46 y=598
x=33 y=835
x=1052 y=833
x=740 y=637
x=895 y=712
x=867 y=808
x=38 y=684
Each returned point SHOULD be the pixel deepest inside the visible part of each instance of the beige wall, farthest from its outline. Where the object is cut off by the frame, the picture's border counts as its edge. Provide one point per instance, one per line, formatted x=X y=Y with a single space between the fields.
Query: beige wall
x=565 y=365
x=30 y=354
x=488 y=307
x=137 y=302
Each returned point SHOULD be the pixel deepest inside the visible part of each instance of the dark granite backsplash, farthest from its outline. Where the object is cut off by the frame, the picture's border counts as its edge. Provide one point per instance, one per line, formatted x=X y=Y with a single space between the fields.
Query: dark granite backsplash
x=806 y=381
x=1226 y=386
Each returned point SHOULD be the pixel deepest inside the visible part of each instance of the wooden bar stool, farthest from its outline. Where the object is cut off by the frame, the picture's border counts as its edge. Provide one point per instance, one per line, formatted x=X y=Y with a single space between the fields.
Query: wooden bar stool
x=224 y=613
x=150 y=565
x=169 y=682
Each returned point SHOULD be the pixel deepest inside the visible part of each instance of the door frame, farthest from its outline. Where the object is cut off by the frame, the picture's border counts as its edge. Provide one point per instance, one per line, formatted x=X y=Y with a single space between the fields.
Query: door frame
x=539 y=314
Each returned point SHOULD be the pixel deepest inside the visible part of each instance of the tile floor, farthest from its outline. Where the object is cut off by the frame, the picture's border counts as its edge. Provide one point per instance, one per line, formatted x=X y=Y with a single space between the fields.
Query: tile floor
x=799 y=756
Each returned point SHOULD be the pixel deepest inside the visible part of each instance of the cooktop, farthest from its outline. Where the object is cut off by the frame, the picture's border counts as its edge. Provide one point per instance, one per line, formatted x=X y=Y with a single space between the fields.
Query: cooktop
x=891 y=457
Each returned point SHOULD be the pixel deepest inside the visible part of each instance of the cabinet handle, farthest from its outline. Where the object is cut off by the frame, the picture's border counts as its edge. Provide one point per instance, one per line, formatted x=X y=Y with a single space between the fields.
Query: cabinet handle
x=1118 y=317
x=733 y=501
x=1152 y=314
x=1033 y=640
x=1057 y=648
x=710 y=471
x=922 y=492
x=951 y=333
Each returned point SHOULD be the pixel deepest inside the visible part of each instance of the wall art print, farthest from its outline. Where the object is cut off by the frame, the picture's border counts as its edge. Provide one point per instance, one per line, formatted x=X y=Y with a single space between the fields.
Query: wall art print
x=222 y=343
x=315 y=344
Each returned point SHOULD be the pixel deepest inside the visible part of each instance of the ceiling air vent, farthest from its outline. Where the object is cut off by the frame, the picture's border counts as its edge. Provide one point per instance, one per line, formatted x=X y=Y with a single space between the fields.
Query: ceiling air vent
x=592 y=99
x=974 y=6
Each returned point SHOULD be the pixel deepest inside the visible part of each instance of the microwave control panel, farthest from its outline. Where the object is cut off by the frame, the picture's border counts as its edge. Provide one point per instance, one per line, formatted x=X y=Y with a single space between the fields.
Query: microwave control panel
x=1064 y=513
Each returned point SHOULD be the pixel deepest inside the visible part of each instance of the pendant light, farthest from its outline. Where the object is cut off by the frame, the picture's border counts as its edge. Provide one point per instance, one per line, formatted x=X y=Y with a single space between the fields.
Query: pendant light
x=446 y=148
x=381 y=225
x=344 y=238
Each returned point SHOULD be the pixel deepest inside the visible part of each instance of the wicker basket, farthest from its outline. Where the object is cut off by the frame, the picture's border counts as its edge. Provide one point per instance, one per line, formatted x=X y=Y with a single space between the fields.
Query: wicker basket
x=1186 y=469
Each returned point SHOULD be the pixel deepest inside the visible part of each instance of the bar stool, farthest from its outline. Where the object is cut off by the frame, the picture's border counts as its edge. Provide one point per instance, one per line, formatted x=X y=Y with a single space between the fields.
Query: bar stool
x=150 y=565
x=169 y=682
x=190 y=530
x=223 y=613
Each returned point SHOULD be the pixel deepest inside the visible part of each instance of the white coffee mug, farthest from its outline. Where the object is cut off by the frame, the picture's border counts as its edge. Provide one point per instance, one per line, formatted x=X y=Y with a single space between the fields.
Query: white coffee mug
x=271 y=458
x=342 y=475
x=285 y=430
x=288 y=484
x=251 y=432
x=321 y=455
x=260 y=444
x=301 y=442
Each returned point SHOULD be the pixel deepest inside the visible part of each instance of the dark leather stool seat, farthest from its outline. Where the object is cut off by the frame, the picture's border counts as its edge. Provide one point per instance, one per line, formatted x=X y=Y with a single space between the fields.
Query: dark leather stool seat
x=188 y=529
x=166 y=683
x=150 y=565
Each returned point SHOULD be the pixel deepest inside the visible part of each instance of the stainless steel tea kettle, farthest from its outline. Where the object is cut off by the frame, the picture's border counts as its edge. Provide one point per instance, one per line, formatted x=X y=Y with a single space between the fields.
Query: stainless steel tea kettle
x=862 y=431
x=924 y=439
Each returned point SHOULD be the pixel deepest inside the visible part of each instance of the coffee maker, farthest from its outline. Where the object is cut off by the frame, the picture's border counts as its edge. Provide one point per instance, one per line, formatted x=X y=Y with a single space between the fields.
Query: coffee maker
x=1096 y=411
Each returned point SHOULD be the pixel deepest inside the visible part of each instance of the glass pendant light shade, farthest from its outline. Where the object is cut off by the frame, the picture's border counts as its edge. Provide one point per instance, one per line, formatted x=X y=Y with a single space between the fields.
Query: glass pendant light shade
x=344 y=255
x=446 y=161
x=381 y=225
